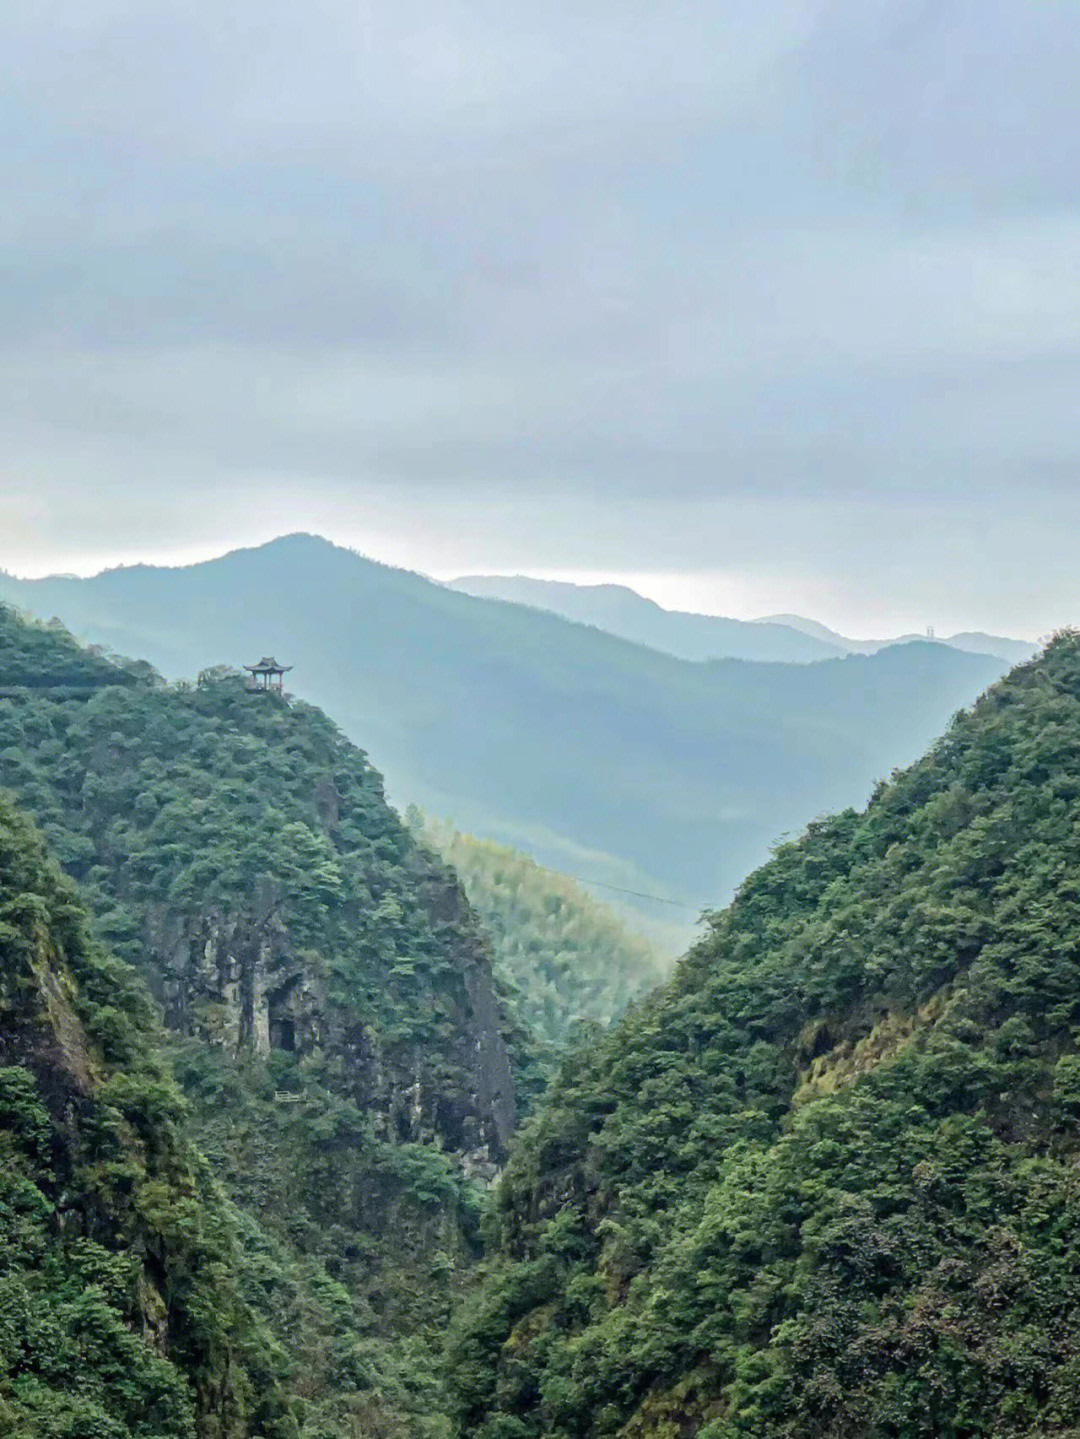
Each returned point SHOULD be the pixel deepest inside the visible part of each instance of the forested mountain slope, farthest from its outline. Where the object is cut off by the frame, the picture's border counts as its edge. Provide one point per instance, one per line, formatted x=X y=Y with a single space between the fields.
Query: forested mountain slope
x=578 y=747
x=825 y=1184
x=335 y=1023
x=568 y=957
x=122 y=1305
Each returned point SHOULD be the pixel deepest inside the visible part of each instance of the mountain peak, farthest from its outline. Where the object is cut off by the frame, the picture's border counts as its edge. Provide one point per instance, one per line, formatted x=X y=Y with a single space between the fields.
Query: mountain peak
x=651 y=772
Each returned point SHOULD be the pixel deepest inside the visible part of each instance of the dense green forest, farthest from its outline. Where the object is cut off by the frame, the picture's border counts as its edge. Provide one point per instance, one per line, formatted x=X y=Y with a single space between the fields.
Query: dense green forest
x=566 y=957
x=332 y=1018
x=597 y=755
x=126 y=1305
x=825 y=1183
x=255 y=1074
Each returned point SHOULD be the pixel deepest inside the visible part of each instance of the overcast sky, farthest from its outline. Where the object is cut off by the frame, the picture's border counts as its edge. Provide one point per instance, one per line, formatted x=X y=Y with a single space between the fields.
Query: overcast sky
x=761 y=304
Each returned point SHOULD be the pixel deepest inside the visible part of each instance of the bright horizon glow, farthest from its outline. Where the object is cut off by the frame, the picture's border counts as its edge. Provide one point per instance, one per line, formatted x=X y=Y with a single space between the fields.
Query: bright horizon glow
x=757 y=307
x=747 y=598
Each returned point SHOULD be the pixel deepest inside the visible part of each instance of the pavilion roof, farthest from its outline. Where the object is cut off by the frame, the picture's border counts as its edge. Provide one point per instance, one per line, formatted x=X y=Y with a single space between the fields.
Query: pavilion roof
x=268 y=665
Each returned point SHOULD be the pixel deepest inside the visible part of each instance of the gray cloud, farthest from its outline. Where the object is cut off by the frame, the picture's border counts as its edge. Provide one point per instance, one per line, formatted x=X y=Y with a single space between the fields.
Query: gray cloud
x=622 y=287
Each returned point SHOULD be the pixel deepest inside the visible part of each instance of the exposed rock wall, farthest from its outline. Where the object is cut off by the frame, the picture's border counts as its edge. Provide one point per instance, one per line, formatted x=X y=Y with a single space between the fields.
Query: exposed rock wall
x=240 y=981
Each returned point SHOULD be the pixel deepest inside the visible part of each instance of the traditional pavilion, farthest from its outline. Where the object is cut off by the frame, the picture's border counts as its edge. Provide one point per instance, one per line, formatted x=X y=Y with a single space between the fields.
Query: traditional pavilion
x=267 y=674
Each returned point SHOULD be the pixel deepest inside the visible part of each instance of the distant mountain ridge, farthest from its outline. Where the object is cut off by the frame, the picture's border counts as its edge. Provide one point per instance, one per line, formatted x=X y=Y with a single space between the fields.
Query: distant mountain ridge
x=790 y=639
x=622 y=611
x=600 y=757
x=969 y=641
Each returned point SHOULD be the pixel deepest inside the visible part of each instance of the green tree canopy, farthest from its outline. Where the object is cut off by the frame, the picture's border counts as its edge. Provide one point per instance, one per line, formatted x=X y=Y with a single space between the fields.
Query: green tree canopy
x=824 y=1183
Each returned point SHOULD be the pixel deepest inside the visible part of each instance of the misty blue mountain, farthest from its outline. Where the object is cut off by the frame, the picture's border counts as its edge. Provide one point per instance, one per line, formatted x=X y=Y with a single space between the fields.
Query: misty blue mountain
x=610 y=760
x=790 y=638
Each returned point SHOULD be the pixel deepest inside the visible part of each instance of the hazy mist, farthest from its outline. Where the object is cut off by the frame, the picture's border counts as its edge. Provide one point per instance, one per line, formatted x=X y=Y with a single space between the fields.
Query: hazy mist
x=762 y=307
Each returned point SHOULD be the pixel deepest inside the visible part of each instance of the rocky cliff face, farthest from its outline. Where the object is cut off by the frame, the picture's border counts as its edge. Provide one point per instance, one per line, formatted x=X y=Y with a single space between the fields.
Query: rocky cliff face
x=241 y=981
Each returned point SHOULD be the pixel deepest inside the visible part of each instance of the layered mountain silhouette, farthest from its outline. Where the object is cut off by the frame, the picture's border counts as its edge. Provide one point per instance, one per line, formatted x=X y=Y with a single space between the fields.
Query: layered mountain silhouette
x=788 y=638
x=605 y=758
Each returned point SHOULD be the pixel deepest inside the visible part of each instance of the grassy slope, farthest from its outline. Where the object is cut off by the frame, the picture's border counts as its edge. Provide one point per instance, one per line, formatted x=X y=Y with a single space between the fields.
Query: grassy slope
x=553 y=737
x=825 y=1183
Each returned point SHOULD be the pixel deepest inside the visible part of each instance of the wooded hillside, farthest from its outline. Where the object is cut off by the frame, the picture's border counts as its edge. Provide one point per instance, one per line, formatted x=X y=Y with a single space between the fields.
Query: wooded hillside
x=825 y=1182
x=569 y=958
x=125 y=1302
x=332 y=1017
